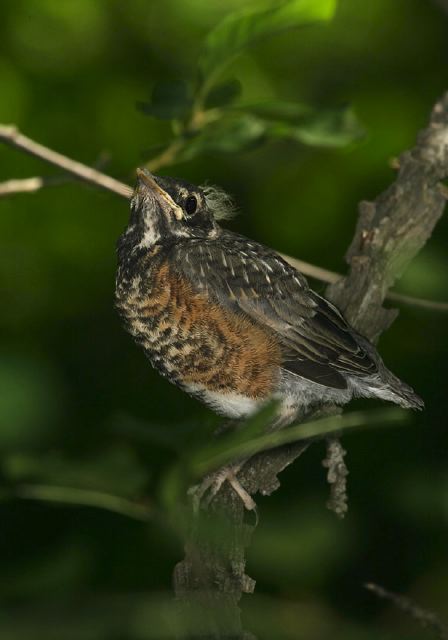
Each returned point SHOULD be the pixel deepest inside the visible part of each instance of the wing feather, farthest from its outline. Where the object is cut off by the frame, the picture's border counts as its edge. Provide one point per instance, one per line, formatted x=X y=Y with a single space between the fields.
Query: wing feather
x=318 y=343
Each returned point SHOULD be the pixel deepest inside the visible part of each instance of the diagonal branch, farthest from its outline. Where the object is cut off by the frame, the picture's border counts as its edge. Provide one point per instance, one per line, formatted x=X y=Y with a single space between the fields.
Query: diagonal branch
x=389 y=233
x=12 y=136
x=394 y=228
x=427 y=619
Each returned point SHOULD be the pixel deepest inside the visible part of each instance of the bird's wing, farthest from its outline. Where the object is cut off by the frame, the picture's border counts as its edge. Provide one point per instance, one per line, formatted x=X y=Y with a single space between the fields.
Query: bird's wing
x=244 y=276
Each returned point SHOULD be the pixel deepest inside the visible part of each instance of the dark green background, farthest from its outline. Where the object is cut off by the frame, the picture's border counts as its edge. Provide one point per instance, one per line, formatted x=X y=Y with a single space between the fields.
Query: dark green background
x=77 y=398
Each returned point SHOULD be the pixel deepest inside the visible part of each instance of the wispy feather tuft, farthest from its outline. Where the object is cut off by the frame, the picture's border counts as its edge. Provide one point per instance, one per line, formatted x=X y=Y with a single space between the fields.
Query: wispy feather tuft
x=219 y=202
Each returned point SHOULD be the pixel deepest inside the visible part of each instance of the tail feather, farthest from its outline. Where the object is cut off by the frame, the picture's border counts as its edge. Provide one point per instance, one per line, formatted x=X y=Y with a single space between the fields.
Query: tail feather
x=384 y=384
x=404 y=395
x=388 y=387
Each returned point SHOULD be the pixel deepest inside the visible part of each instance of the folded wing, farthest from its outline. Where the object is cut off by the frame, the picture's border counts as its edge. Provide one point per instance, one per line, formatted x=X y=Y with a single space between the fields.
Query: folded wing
x=317 y=342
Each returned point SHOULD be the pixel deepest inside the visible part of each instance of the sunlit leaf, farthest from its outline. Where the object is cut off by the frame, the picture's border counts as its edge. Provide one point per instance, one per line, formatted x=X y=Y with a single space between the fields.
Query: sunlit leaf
x=239 y=30
x=170 y=100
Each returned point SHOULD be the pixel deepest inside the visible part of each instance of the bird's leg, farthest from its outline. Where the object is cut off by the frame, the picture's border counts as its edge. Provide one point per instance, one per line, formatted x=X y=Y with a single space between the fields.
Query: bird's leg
x=212 y=483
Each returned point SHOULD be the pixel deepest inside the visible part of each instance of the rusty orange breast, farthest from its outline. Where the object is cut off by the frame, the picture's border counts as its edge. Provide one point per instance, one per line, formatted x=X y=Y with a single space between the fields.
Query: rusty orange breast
x=195 y=341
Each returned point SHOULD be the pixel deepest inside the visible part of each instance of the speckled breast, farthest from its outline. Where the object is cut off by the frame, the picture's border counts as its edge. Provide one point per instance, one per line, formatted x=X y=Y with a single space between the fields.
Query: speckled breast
x=194 y=341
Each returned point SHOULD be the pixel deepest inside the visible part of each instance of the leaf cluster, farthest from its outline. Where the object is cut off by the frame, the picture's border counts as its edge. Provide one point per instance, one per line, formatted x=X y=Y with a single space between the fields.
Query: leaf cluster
x=209 y=115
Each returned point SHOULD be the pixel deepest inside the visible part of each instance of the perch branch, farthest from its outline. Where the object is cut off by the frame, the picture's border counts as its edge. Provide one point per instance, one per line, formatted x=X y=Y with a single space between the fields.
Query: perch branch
x=389 y=233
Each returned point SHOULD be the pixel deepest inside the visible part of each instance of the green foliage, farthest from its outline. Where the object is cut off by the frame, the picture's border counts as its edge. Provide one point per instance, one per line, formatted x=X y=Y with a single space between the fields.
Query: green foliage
x=208 y=121
x=252 y=437
x=240 y=30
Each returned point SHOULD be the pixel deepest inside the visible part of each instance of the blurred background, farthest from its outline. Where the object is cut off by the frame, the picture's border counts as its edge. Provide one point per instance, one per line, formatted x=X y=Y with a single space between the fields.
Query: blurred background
x=88 y=432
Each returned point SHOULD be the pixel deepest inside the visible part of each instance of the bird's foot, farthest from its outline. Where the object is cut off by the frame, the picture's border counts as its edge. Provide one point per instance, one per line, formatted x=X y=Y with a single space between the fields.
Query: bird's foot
x=204 y=492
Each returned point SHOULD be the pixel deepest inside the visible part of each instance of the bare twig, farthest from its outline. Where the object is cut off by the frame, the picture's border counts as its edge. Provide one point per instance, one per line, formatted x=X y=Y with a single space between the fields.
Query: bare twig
x=10 y=135
x=331 y=277
x=29 y=185
x=427 y=619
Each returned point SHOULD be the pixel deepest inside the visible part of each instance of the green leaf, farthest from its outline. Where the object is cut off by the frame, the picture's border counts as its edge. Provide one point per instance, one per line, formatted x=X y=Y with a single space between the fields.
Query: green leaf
x=247 y=443
x=223 y=94
x=242 y=29
x=201 y=458
x=226 y=135
x=328 y=128
x=170 y=100
x=334 y=127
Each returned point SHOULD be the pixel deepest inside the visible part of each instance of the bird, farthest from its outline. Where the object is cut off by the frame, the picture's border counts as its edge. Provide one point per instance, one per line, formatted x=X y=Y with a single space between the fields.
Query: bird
x=227 y=319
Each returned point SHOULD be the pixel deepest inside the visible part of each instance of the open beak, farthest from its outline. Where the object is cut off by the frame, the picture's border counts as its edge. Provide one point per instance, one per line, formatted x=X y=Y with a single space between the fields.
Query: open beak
x=145 y=176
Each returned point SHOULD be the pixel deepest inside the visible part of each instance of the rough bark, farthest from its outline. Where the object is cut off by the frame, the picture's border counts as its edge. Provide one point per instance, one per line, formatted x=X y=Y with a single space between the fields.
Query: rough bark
x=390 y=231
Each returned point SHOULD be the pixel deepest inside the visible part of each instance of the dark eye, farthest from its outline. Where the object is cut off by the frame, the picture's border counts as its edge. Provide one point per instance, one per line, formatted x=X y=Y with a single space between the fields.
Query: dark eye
x=191 y=205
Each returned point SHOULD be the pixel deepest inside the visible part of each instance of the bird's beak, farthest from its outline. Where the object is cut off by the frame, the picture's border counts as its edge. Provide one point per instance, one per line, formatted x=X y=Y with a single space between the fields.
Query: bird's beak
x=149 y=181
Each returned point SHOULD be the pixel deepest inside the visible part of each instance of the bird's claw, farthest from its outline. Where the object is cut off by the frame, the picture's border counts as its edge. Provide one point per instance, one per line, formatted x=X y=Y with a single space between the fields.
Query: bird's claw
x=204 y=492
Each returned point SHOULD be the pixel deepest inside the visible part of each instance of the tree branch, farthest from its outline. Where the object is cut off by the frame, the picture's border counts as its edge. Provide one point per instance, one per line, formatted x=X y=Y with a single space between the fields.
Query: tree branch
x=11 y=136
x=29 y=185
x=389 y=233
x=331 y=277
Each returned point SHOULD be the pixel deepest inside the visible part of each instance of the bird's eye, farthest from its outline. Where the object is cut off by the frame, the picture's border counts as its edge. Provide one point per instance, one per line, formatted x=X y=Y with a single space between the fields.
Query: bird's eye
x=191 y=205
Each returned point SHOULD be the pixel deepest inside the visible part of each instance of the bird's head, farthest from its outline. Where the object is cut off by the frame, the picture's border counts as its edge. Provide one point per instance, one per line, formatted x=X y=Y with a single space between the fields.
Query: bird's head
x=166 y=209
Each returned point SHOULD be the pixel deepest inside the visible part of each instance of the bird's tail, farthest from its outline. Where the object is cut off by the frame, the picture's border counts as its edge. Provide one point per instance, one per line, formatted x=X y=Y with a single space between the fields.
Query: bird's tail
x=397 y=391
x=406 y=397
x=386 y=385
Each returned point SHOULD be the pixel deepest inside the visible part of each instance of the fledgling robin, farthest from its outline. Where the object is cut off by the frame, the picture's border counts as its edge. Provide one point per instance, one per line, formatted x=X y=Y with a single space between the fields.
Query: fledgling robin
x=229 y=321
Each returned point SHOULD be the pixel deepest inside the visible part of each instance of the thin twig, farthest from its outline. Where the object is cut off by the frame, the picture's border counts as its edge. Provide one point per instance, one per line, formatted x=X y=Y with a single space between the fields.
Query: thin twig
x=29 y=185
x=427 y=619
x=324 y=275
x=12 y=136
